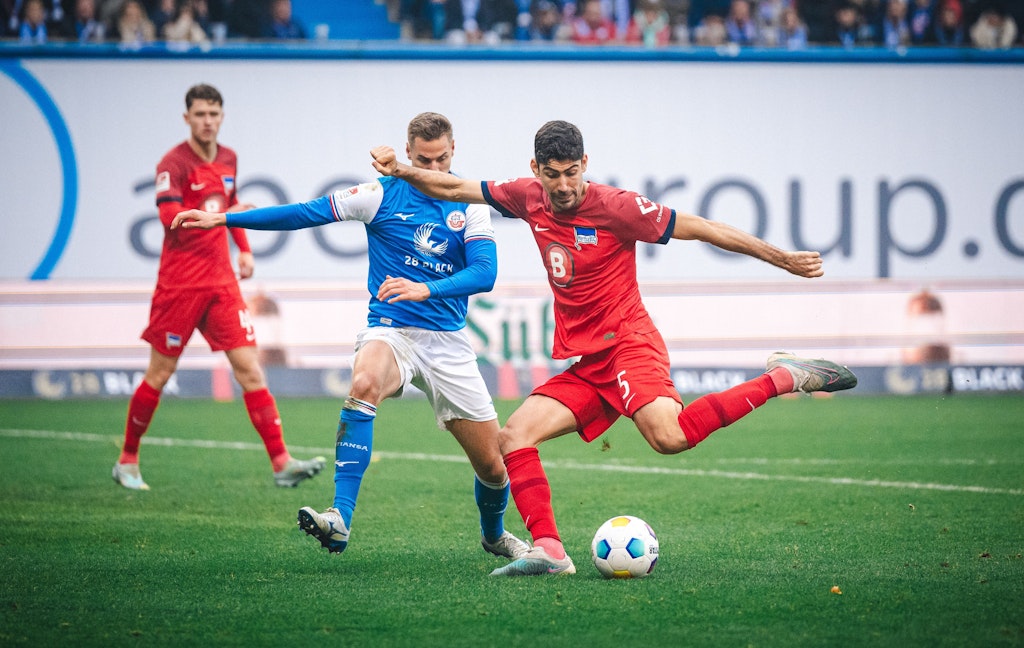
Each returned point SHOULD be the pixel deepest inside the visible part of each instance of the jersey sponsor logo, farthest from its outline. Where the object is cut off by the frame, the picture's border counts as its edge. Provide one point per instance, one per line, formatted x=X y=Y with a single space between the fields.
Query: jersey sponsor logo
x=354 y=446
x=197 y=187
x=456 y=221
x=214 y=204
x=561 y=266
x=423 y=243
x=538 y=228
x=645 y=205
x=404 y=216
x=163 y=181
x=585 y=236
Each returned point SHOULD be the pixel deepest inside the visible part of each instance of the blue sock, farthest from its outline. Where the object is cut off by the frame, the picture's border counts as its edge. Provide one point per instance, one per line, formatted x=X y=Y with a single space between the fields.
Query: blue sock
x=352 y=454
x=491 y=499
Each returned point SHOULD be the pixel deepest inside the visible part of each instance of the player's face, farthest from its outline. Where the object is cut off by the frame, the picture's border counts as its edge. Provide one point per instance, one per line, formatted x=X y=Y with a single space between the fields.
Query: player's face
x=563 y=181
x=434 y=155
x=204 y=118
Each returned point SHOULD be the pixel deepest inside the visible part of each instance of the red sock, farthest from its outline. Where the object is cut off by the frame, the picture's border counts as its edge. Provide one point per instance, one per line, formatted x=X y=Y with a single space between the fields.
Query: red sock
x=713 y=411
x=267 y=421
x=532 y=494
x=140 y=412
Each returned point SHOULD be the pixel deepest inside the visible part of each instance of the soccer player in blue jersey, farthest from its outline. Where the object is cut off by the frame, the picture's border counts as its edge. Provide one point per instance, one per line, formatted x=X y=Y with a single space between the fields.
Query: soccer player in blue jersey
x=426 y=257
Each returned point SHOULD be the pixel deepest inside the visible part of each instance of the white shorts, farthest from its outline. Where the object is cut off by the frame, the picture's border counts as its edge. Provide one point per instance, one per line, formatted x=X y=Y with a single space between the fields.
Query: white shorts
x=442 y=365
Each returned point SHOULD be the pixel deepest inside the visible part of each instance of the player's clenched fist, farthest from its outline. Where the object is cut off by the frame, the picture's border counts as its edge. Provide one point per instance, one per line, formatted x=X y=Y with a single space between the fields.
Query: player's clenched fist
x=384 y=160
x=804 y=264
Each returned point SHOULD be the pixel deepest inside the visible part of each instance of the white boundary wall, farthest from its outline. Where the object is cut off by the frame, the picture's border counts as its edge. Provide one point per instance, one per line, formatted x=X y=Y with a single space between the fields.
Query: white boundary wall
x=905 y=175
x=924 y=158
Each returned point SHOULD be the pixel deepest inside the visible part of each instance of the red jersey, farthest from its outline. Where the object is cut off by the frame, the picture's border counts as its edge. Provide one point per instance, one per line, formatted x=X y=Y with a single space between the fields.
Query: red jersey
x=196 y=258
x=590 y=256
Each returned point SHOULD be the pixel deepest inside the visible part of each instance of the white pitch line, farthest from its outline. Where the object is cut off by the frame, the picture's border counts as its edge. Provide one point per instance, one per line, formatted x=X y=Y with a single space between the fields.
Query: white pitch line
x=570 y=465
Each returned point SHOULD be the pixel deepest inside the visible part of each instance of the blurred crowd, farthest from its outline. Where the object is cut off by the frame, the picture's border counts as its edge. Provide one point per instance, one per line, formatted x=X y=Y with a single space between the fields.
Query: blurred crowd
x=138 y=22
x=790 y=24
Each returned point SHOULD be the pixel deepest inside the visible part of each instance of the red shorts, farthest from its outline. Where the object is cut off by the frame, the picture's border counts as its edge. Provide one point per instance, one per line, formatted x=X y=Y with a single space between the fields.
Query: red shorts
x=219 y=313
x=615 y=382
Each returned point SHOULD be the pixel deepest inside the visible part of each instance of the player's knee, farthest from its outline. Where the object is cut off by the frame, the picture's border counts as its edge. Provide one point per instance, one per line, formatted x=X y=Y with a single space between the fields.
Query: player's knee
x=668 y=442
x=365 y=387
x=250 y=378
x=493 y=472
x=511 y=438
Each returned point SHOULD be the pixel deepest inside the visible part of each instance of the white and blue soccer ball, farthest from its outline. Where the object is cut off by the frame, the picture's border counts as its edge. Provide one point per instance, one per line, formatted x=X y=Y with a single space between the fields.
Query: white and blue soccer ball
x=625 y=547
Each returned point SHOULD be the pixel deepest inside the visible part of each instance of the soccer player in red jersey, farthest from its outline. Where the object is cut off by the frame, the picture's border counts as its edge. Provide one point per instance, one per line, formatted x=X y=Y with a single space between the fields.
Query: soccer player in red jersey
x=587 y=234
x=196 y=288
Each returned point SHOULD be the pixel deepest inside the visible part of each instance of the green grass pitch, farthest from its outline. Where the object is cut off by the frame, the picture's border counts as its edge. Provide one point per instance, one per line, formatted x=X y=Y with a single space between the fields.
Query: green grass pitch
x=913 y=507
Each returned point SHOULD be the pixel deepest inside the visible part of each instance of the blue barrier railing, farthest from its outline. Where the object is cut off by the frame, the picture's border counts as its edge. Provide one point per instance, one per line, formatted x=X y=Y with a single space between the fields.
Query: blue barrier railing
x=388 y=50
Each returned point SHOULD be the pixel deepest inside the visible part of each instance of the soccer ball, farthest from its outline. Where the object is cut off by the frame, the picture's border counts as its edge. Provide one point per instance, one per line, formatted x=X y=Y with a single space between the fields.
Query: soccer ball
x=625 y=547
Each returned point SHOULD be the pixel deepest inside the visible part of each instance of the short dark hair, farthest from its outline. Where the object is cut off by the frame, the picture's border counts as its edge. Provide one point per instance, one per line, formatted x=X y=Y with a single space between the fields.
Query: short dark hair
x=558 y=140
x=203 y=91
x=429 y=126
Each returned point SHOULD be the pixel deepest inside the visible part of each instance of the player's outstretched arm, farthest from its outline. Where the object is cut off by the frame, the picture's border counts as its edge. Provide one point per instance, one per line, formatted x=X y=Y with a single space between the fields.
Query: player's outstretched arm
x=435 y=184
x=198 y=219
x=802 y=263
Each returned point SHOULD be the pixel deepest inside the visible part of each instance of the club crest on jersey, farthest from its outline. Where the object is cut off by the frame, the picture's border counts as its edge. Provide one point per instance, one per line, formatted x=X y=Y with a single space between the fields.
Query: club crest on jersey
x=585 y=236
x=423 y=243
x=456 y=221
x=229 y=184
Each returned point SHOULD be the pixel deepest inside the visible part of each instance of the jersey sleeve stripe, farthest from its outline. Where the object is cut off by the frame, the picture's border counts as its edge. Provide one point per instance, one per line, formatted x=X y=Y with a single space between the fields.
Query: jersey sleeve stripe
x=667 y=236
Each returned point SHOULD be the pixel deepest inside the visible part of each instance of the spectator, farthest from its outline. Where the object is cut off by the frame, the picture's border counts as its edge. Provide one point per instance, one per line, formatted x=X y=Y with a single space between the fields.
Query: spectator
x=678 y=18
x=792 y=31
x=162 y=13
x=700 y=9
x=186 y=27
x=593 y=25
x=134 y=28
x=739 y=24
x=33 y=24
x=710 y=32
x=922 y=18
x=949 y=26
x=110 y=10
x=848 y=25
x=768 y=18
x=895 y=29
x=546 y=21
x=282 y=25
x=53 y=16
x=649 y=25
x=872 y=12
x=84 y=25
x=480 y=21
x=994 y=29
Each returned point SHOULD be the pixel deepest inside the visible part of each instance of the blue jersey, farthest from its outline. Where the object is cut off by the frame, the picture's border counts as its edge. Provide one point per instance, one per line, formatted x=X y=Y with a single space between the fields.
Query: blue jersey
x=447 y=245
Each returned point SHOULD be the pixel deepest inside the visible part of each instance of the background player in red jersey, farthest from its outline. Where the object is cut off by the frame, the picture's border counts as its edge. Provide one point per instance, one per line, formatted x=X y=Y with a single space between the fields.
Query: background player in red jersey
x=196 y=288
x=587 y=234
